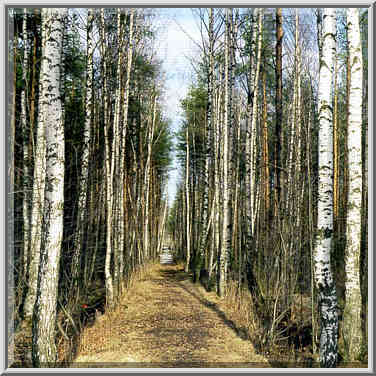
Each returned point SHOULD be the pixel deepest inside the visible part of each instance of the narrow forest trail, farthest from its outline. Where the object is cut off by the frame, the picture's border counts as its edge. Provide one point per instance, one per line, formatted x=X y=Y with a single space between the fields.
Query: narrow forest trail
x=165 y=320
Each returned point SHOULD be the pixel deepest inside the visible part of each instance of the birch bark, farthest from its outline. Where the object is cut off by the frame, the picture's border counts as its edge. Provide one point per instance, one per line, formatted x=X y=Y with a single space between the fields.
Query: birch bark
x=249 y=137
x=109 y=185
x=326 y=289
x=187 y=211
x=226 y=233
x=26 y=137
x=44 y=351
x=352 y=330
x=39 y=180
x=279 y=111
x=207 y=151
x=147 y=176
x=123 y=145
x=83 y=184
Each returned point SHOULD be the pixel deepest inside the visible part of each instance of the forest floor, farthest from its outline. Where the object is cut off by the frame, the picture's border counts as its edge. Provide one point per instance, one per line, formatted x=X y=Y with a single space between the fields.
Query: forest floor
x=164 y=320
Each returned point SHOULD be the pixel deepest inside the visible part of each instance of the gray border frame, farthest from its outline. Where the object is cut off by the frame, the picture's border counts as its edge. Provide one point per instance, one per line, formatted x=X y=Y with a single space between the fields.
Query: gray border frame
x=7 y=229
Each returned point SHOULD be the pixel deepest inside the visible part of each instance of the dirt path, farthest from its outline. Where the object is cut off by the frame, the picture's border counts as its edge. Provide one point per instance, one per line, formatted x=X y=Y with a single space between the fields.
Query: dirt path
x=166 y=321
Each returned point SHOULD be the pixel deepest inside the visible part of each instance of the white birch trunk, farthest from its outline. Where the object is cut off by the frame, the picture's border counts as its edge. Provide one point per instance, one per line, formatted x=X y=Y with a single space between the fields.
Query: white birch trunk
x=43 y=345
x=147 y=178
x=327 y=298
x=352 y=330
x=253 y=198
x=162 y=228
x=188 y=208
x=115 y=162
x=109 y=188
x=26 y=157
x=82 y=199
x=226 y=242
x=217 y=177
x=38 y=184
x=123 y=145
x=207 y=152
x=249 y=187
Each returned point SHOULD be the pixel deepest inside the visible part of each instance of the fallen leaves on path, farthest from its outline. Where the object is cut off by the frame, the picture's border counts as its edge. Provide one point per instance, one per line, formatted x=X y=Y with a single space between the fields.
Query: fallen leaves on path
x=164 y=320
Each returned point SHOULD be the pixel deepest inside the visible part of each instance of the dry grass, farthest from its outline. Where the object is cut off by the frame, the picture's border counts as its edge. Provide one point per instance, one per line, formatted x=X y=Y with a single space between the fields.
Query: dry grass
x=107 y=332
x=163 y=320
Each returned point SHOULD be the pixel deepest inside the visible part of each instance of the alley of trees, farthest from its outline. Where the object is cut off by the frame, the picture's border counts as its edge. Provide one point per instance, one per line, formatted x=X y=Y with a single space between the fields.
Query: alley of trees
x=272 y=150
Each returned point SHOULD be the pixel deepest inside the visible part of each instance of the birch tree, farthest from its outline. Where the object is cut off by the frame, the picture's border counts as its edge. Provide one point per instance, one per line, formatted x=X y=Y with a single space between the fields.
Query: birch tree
x=207 y=151
x=188 y=236
x=326 y=289
x=250 y=134
x=150 y=136
x=26 y=137
x=109 y=182
x=39 y=180
x=226 y=240
x=279 y=110
x=250 y=142
x=124 y=135
x=83 y=183
x=44 y=351
x=115 y=158
x=352 y=330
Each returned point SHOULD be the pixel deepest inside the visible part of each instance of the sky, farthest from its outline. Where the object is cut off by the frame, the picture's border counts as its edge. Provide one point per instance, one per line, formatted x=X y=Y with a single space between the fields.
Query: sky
x=178 y=28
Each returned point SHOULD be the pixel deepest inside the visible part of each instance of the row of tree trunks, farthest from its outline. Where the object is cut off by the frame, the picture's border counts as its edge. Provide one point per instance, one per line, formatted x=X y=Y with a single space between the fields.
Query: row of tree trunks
x=284 y=238
x=79 y=183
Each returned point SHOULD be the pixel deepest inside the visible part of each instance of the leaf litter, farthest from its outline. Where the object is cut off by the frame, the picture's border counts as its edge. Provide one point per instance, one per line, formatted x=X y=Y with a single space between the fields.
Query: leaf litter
x=164 y=320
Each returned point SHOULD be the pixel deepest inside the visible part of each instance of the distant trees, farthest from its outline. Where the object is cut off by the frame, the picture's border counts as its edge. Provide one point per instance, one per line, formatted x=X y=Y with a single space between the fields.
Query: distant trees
x=273 y=153
x=93 y=160
x=267 y=161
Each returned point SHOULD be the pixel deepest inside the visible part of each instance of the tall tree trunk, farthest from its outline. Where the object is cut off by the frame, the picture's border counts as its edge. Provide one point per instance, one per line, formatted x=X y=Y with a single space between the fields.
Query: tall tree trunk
x=207 y=151
x=326 y=289
x=250 y=183
x=150 y=138
x=253 y=140
x=265 y=148
x=36 y=42
x=364 y=231
x=43 y=345
x=39 y=181
x=26 y=141
x=278 y=106
x=115 y=160
x=109 y=185
x=123 y=179
x=217 y=178
x=82 y=214
x=249 y=208
x=226 y=242
x=10 y=278
x=187 y=205
x=352 y=330
x=335 y=148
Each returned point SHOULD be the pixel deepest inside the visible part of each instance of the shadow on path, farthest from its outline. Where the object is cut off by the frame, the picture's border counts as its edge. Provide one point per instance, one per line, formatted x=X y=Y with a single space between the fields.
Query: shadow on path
x=178 y=276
